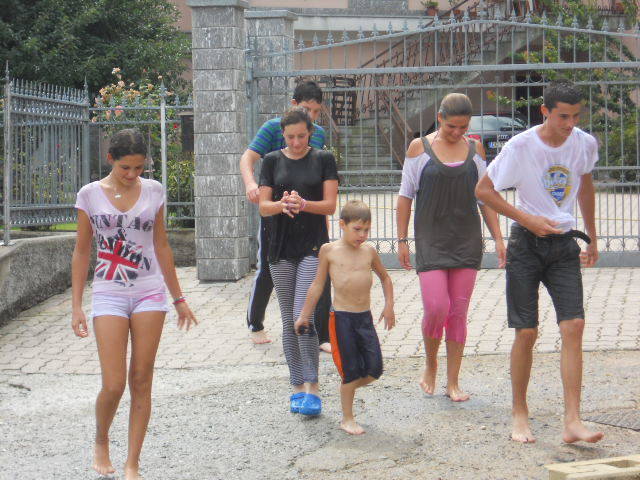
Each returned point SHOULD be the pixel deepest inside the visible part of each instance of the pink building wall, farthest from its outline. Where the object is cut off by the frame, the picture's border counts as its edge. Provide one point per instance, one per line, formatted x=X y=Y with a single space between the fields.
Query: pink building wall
x=185 y=22
x=355 y=55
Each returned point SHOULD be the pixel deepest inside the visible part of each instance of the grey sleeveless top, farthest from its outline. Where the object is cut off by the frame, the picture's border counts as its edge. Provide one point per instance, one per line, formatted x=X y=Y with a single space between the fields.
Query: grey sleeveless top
x=446 y=219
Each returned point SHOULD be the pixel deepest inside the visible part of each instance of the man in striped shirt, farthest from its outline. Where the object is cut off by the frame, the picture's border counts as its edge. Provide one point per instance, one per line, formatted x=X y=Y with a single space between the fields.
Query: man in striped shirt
x=269 y=139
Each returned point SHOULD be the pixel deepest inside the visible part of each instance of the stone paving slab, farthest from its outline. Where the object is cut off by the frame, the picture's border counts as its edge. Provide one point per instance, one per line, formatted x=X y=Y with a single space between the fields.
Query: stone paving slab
x=40 y=339
x=599 y=469
x=619 y=418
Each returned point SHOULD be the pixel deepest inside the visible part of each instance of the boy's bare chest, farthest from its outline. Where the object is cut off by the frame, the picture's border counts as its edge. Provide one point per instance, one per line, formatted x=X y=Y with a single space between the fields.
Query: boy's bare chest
x=358 y=260
x=353 y=268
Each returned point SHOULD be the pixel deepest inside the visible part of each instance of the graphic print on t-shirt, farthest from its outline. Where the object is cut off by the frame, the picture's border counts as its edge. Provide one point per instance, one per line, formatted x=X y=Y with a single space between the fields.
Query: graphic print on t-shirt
x=557 y=182
x=119 y=259
x=125 y=262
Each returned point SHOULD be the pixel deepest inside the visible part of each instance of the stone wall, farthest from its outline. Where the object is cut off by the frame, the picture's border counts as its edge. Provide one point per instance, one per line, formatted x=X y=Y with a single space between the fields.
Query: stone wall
x=33 y=269
x=271 y=31
x=379 y=7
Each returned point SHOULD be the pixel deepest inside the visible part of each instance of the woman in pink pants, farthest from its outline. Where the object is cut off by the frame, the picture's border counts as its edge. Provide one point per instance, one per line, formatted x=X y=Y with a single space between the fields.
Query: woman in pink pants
x=440 y=172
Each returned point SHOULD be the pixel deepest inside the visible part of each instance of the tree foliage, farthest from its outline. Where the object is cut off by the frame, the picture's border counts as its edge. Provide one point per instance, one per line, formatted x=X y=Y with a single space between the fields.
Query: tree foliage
x=62 y=41
x=612 y=115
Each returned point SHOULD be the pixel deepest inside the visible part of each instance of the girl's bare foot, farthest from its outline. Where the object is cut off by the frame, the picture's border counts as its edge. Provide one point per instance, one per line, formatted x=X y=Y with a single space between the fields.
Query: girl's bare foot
x=259 y=338
x=576 y=432
x=325 y=347
x=456 y=394
x=521 y=431
x=428 y=381
x=351 y=427
x=101 y=460
x=131 y=472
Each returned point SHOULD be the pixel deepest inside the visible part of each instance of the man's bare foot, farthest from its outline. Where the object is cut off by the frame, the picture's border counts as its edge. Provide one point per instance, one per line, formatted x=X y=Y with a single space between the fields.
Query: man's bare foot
x=259 y=338
x=577 y=432
x=351 y=427
x=101 y=460
x=521 y=431
x=428 y=381
x=325 y=347
x=456 y=394
x=131 y=472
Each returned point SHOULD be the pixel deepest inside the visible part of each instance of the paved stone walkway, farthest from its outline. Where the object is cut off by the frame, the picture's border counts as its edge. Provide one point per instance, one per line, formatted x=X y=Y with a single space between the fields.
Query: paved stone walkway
x=40 y=339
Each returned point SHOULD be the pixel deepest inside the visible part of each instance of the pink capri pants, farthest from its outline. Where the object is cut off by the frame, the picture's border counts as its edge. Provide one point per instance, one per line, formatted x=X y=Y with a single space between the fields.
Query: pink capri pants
x=445 y=297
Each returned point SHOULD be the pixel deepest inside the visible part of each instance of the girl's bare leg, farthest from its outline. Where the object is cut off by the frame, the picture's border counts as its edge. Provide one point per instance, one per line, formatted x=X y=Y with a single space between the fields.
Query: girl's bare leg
x=454 y=360
x=111 y=337
x=146 y=329
x=428 y=378
x=461 y=283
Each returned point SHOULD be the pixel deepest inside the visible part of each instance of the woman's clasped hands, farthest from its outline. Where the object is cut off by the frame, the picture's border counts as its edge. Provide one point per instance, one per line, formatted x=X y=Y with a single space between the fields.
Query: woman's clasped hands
x=291 y=203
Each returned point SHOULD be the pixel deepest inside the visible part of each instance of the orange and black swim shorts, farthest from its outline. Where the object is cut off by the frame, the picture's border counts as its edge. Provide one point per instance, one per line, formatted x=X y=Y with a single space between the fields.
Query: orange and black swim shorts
x=354 y=345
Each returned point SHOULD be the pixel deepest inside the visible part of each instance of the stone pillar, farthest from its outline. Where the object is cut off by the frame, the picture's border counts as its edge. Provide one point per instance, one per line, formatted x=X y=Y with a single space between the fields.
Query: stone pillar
x=271 y=31
x=268 y=31
x=219 y=100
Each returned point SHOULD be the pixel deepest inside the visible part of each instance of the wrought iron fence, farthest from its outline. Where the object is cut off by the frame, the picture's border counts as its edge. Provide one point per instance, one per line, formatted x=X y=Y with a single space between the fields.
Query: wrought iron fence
x=44 y=153
x=382 y=90
x=169 y=131
x=55 y=142
x=502 y=61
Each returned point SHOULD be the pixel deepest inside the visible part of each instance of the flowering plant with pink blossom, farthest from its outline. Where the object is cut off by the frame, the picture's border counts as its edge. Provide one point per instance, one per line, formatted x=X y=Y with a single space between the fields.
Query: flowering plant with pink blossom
x=125 y=100
x=125 y=104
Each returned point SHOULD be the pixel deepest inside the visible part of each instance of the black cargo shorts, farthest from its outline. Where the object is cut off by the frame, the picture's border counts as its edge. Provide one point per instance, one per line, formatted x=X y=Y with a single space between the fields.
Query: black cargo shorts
x=554 y=261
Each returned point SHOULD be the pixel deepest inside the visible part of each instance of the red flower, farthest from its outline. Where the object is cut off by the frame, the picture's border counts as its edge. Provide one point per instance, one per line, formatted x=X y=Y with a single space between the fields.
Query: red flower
x=175 y=126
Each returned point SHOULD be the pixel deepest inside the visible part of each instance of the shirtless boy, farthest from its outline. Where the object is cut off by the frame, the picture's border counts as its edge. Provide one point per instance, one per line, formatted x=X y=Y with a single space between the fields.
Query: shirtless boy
x=354 y=342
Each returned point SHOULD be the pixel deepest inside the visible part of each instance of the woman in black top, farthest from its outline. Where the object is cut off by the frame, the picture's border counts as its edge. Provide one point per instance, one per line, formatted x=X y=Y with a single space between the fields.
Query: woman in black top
x=298 y=188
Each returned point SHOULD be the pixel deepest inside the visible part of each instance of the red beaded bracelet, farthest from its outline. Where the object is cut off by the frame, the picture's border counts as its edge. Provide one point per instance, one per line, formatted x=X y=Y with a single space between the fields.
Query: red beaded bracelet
x=179 y=300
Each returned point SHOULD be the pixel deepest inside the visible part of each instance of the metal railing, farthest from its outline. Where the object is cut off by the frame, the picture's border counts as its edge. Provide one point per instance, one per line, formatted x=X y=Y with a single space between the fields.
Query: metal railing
x=45 y=159
x=168 y=160
x=54 y=142
x=502 y=58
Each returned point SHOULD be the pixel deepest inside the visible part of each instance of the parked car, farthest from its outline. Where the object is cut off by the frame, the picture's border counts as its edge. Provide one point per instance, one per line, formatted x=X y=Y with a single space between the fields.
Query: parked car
x=494 y=130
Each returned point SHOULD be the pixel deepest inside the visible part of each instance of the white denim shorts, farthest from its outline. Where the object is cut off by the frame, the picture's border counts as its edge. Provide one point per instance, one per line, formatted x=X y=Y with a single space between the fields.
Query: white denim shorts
x=105 y=304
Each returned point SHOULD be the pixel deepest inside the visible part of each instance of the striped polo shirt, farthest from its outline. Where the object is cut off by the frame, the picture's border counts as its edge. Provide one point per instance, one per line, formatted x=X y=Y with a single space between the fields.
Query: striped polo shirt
x=269 y=138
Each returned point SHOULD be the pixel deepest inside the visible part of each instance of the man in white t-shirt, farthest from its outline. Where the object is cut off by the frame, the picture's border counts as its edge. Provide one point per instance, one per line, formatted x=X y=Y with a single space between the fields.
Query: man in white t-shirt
x=550 y=167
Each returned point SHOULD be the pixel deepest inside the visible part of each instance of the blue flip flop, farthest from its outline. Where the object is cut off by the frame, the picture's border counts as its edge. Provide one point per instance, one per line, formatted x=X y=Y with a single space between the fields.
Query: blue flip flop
x=296 y=401
x=311 y=405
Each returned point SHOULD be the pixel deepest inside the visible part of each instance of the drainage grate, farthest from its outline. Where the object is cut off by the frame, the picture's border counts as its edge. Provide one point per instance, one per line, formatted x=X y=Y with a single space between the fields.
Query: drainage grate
x=624 y=419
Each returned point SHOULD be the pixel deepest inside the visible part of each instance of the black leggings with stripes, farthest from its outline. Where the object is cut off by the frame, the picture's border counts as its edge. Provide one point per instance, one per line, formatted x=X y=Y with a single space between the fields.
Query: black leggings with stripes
x=292 y=279
x=263 y=286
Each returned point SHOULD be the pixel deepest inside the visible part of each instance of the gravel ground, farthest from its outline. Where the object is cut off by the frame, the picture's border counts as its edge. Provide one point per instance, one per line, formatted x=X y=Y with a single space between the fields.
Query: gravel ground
x=233 y=423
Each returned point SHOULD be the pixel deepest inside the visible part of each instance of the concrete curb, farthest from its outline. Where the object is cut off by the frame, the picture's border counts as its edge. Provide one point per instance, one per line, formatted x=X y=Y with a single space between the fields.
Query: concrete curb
x=33 y=269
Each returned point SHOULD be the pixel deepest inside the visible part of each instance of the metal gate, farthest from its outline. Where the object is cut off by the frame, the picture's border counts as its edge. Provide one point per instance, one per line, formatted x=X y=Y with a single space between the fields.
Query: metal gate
x=46 y=145
x=502 y=60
